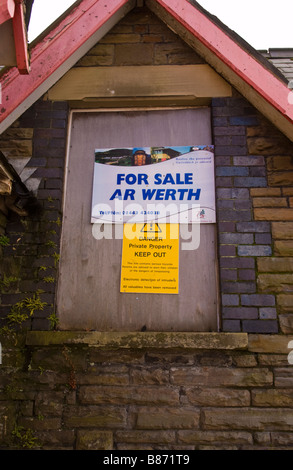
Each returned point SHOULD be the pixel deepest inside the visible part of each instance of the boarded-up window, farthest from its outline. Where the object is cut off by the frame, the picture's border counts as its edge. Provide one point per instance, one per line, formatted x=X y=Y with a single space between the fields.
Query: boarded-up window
x=89 y=294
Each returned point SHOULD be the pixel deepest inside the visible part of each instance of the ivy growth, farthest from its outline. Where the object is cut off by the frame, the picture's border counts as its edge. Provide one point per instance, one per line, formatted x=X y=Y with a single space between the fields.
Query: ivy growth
x=53 y=319
x=56 y=257
x=7 y=281
x=72 y=376
x=22 y=310
x=51 y=244
x=49 y=279
x=4 y=241
x=25 y=309
x=24 y=438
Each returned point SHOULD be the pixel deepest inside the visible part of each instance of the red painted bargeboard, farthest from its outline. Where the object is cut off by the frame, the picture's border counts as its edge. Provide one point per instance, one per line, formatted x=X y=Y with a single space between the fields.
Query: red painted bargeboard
x=237 y=59
x=53 y=50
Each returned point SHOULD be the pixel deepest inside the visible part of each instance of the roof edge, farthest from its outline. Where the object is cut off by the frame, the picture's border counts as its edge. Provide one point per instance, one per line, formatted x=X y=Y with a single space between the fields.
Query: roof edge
x=53 y=25
x=224 y=54
x=240 y=41
x=51 y=57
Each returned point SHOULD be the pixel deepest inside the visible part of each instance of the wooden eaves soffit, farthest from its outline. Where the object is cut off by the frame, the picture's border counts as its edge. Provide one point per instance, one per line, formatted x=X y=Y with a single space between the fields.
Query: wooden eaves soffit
x=87 y=21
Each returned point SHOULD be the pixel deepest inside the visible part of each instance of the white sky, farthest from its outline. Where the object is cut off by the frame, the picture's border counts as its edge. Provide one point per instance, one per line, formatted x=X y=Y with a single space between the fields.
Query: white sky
x=263 y=24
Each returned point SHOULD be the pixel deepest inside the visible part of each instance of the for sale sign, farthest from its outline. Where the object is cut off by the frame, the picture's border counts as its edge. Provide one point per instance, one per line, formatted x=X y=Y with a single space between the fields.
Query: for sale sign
x=167 y=184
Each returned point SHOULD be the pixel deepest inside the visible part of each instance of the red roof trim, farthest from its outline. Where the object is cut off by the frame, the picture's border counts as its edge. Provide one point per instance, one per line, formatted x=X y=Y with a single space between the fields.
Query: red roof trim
x=14 y=10
x=6 y=10
x=274 y=91
x=20 y=39
x=54 y=49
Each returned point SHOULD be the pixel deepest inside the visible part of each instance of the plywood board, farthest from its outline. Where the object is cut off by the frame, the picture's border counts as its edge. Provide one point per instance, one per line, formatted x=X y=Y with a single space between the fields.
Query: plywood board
x=88 y=83
x=89 y=294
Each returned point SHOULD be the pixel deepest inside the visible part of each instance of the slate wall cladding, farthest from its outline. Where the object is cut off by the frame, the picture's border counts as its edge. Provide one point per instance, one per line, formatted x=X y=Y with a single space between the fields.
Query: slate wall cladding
x=254 y=178
x=254 y=208
x=31 y=258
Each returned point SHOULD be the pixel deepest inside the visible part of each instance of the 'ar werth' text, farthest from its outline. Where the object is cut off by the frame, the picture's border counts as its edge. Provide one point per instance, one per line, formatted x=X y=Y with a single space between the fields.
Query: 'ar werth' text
x=162 y=194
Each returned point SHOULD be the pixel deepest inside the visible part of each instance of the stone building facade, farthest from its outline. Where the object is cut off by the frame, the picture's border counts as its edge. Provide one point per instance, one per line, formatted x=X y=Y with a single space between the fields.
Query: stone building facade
x=90 y=390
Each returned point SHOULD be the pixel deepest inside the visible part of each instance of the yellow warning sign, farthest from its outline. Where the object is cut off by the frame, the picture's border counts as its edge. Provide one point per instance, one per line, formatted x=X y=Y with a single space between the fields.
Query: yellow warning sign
x=150 y=259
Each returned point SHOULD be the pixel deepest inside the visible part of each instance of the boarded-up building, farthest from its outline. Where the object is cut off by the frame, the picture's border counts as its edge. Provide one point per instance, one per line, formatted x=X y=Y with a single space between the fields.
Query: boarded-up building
x=136 y=365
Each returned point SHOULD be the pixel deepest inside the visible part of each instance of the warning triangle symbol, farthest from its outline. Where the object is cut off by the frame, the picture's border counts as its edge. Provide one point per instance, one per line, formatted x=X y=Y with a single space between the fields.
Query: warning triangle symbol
x=151 y=228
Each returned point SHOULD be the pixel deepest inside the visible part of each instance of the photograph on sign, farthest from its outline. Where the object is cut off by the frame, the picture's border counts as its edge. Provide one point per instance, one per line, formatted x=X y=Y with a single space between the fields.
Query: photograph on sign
x=150 y=261
x=166 y=184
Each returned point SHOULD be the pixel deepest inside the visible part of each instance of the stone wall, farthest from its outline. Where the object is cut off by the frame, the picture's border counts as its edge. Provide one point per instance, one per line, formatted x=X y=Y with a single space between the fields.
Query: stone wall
x=35 y=145
x=140 y=38
x=187 y=391
x=254 y=211
x=3 y=241
x=146 y=391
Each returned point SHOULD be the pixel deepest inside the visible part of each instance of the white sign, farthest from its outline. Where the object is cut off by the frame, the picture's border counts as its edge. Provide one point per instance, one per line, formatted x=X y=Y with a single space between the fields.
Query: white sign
x=169 y=184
